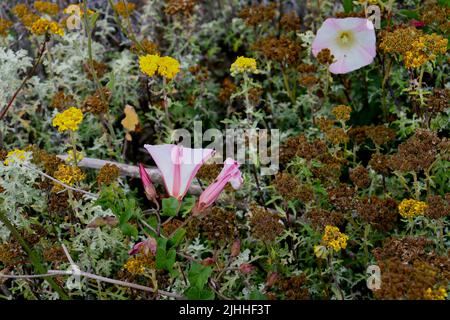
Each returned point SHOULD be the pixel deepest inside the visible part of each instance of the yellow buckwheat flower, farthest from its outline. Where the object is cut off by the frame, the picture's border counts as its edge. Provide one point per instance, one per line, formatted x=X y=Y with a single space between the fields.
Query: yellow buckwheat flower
x=68 y=120
x=14 y=155
x=439 y=294
x=149 y=64
x=168 y=67
x=67 y=175
x=425 y=48
x=242 y=65
x=41 y=26
x=46 y=7
x=70 y=156
x=410 y=208
x=333 y=238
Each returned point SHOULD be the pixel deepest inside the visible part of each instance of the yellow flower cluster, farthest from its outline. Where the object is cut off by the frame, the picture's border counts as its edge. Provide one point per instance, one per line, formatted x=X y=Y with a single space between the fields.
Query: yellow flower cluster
x=243 y=65
x=425 y=48
x=41 y=26
x=4 y=26
x=67 y=175
x=13 y=155
x=68 y=120
x=124 y=10
x=46 y=7
x=70 y=156
x=410 y=208
x=333 y=238
x=439 y=294
x=138 y=264
x=25 y=15
x=77 y=10
x=167 y=67
x=341 y=112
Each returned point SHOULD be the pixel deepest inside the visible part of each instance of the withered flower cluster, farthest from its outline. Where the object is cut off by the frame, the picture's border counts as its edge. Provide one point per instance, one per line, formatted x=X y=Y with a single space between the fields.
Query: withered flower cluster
x=258 y=13
x=419 y=152
x=320 y=218
x=97 y=103
x=288 y=186
x=108 y=174
x=185 y=7
x=283 y=50
x=62 y=101
x=264 y=225
x=380 y=213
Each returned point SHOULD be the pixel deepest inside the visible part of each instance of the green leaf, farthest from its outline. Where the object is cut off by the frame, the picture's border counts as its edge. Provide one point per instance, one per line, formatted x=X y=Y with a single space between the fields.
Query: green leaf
x=177 y=237
x=187 y=205
x=198 y=275
x=411 y=14
x=129 y=230
x=348 y=6
x=257 y=295
x=161 y=253
x=169 y=207
x=199 y=294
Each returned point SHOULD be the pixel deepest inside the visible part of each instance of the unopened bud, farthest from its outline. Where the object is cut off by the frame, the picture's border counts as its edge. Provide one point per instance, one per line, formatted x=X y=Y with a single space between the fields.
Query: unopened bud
x=236 y=248
x=246 y=268
x=149 y=188
x=208 y=261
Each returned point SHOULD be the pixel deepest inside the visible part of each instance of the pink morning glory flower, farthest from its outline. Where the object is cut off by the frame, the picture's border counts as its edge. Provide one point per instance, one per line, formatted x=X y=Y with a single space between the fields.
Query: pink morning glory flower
x=178 y=166
x=230 y=173
x=351 y=41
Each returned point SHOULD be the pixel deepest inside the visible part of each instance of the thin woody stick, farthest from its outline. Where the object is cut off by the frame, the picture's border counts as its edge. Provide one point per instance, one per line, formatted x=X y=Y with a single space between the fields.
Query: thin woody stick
x=129 y=171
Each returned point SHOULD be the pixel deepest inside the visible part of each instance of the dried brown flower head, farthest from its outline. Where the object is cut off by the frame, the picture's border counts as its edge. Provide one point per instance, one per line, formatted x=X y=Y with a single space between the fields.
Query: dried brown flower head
x=418 y=152
x=320 y=218
x=406 y=281
x=341 y=112
x=228 y=88
x=380 y=163
x=360 y=177
x=61 y=101
x=219 y=224
x=257 y=14
x=98 y=103
x=288 y=186
x=308 y=81
x=264 y=225
x=439 y=101
x=438 y=207
x=407 y=249
x=293 y=288
x=342 y=197
x=282 y=50
x=380 y=213
x=358 y=134
x=306 y=68
x=380 y=135
x=325 y=57
x=185 y=7
x=108 y=174
x=290 y=21
x=100 y=69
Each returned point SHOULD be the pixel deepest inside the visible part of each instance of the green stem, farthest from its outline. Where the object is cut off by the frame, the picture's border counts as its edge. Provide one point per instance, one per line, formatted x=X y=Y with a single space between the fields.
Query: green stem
x=39 y=267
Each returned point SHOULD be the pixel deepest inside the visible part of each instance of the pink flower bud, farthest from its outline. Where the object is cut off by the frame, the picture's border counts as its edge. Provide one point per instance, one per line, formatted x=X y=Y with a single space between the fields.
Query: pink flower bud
x=417 y=23
x=271 y=279
x=246 y=268
x=149 y=188
x=236 y=248
x=208 y=261
x=144 y=247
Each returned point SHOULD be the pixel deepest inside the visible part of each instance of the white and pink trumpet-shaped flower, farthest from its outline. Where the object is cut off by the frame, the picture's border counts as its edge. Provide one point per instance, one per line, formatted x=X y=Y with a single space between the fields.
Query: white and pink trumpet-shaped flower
x=230 y=173
x=351 y=41
x=178 y=166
